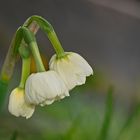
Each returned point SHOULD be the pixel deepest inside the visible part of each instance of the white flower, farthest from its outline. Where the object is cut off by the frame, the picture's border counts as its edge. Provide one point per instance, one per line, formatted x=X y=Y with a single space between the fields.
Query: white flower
x=18 y=106
x=72 y=68
x=44 y=88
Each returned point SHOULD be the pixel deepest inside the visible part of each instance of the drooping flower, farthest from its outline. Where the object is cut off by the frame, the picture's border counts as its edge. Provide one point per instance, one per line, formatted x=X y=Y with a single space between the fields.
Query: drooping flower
x=66 y=69
x=72 y=68
x=44 y=88
x=17 y=105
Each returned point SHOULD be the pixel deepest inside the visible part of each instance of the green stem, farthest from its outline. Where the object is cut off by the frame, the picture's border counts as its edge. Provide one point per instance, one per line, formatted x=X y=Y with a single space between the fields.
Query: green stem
x=49 y=31
x=10 y=61
x=25 y=71
x=56 y=44
x=37 y=57
x=108 y=115
x=30 y=39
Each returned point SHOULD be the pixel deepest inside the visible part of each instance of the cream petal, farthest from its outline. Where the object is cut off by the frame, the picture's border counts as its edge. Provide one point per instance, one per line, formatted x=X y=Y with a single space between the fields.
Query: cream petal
x=72 y=68
x=17 y=105
x=71 y=74
x=80 y=62
x=43 y=88
x=65 y=71
x=53 y=60
x=64 y=95
x=47 y=102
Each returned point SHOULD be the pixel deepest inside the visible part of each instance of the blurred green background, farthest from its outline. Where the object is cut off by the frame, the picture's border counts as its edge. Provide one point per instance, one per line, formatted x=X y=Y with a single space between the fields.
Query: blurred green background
x=106 y=33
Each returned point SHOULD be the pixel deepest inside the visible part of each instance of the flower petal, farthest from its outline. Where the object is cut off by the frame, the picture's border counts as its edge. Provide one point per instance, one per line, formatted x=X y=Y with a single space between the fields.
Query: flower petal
x=17 y=105
x=72 y=68
x=44 y=88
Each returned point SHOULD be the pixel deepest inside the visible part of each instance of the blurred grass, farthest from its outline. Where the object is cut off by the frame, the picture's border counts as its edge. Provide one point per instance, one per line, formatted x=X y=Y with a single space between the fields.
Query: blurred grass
x=3 y=91
x=103 y=135
x=85 y=115
x=14 y=135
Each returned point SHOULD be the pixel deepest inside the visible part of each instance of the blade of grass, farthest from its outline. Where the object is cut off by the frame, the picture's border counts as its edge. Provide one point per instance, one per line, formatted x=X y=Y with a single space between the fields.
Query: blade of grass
x=14 y=135
x=3 y=90
x=131 y=119
x=72 y=129
x=108 y=115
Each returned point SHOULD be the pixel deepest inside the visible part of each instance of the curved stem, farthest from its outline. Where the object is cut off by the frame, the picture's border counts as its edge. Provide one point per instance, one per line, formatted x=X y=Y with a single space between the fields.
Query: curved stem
x=12 y=55
x=48 y=29
x=29 y=38
x=25 y=71
x=37 y=57
x=55 y=42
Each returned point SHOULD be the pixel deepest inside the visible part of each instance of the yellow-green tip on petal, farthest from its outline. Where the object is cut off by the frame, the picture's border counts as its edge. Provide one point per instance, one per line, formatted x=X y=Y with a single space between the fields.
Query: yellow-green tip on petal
x=18 y=106
x=72 y=68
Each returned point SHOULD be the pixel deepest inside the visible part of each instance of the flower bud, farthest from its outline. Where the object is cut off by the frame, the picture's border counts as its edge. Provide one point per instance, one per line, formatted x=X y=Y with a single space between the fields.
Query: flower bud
x=18 y=106
x=72 y=68
x=44 y=88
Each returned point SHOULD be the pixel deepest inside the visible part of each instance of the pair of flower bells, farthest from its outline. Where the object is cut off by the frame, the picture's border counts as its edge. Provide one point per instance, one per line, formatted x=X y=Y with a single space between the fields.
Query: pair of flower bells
x=66 y=70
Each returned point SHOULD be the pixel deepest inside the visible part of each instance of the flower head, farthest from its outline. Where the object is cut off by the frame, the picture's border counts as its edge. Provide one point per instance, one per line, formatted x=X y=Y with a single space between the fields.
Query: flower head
x=18 y=106
x=72 y=68
x=44 y=88
x=67 y=69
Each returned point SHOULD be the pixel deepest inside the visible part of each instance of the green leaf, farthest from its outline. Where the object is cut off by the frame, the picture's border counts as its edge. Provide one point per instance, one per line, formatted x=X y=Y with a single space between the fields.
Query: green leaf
x=108 y=115
x=3 y=90
x=131 y=119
